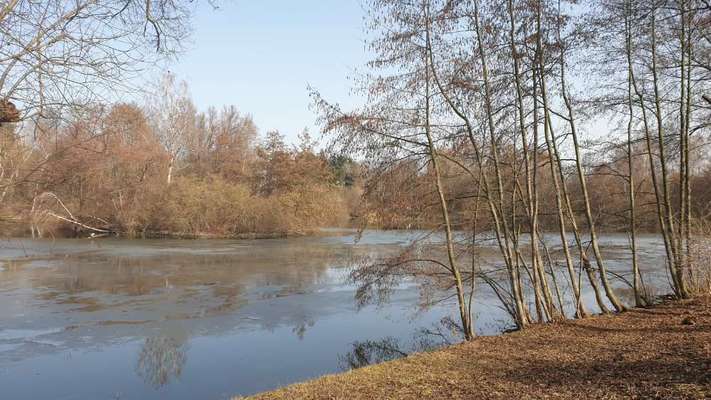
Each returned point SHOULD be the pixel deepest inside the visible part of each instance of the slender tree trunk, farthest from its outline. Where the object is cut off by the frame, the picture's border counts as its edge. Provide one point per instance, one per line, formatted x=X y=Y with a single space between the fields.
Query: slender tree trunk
x=474 y=260
x=611 y=296
x=531 y=188
x=451 y=257
x=687 y=156
x=683 y=145
x=547 y=297
x=555 y=158
x=652 y=169
x=684 y=229
x=170 y=169
x=520 y=314
x=636 y=277
x=668 y=212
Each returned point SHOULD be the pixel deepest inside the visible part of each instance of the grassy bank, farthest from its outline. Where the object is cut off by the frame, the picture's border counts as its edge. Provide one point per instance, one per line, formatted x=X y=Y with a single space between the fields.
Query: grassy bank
x=662 y=352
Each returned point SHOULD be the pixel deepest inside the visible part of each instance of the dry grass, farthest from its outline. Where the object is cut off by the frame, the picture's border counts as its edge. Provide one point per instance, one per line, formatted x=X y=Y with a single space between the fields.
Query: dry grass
x=662 y=352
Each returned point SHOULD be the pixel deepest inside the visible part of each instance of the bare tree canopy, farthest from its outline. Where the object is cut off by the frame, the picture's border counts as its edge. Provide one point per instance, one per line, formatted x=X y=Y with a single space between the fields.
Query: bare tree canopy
x=56 y=52
x=516 y=118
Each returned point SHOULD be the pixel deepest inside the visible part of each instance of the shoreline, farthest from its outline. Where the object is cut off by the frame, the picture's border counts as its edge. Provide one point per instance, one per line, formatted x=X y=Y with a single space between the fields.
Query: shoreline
x=316 y=232
x=659 y=352
x=197 y=236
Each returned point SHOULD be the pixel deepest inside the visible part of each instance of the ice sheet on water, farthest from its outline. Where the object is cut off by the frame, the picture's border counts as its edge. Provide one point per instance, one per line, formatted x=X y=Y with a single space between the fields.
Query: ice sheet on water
x=26 y=334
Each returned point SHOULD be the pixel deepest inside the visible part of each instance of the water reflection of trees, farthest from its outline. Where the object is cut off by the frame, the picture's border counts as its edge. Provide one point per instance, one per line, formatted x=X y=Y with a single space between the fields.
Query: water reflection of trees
x=161 y=359
x=445 y=332
x=369 y=352
x=140 y=275
x=300 y=328
x=224 y=275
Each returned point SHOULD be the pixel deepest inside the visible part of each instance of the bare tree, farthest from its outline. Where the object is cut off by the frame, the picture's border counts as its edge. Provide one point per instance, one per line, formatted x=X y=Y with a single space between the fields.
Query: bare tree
x=57 y=57
x=56 y=53
x=173 y=116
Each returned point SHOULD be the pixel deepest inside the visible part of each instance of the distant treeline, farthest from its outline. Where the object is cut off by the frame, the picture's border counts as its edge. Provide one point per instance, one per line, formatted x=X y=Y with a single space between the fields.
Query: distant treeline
x=401 y=195
x=168 y=170
x=165 y=169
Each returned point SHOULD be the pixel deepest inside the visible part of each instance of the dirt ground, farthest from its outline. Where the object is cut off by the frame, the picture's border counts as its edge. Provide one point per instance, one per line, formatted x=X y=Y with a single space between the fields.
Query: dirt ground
x=656 y=353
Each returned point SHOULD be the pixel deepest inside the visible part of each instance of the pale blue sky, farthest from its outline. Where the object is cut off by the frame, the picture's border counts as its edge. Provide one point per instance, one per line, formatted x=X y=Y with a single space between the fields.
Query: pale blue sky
x=260 y=55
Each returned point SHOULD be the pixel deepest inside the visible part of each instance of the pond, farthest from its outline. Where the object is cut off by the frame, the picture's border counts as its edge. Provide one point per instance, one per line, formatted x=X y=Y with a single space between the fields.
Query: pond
x=209 y=319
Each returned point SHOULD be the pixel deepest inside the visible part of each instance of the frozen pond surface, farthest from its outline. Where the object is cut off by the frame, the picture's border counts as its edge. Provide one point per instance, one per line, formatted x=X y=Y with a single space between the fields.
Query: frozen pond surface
x=206 y=319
